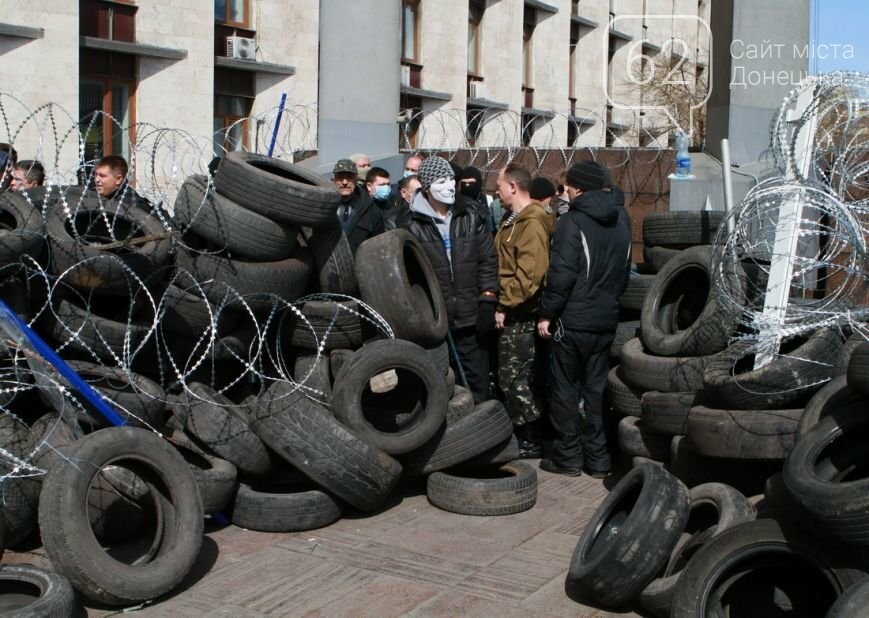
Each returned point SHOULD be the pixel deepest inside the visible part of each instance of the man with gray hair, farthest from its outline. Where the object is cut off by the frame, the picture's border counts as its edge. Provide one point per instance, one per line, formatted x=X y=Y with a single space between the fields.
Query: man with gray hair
x=459 y=245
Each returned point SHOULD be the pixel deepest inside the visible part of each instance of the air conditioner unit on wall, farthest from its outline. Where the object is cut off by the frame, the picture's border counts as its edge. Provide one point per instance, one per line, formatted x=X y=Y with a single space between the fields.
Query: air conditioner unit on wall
x=478 y=90
x=405 y=75
x=240 y=47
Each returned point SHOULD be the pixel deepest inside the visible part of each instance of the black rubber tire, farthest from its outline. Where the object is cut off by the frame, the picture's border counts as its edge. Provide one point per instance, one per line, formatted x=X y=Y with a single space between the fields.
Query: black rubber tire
x=852 y=603
x=635 y=292
x=19 y=497
x=714 y=508
x=764 y=559
x=836 y=397
x=625 y=331
x=397 y=279
x=511 y=488
x=334 y=324
x=499 y=454
x=788 y=380
x=254 y=281
x=657 y=373
x=421 y=390
x=450 y=384
x=337 y=360
x=135 y=398
x=102 y=338
x=97 y=269
x=309 y=438
x=281 y=191
x=826 y=473
x=243 y=232
x=440 y=356
x=333 y=260
x=636 y=441
x=216 y=424
x=75 y=552
x=648 y=508
x=681 y=229
x=22 y=225
x=312 y=373
x=184 y=310
x=50 y=435
x=851 y=343
x=461 y=404
x=216 y=478
x=681 y=315
x=53 y=598
x=692 y=468
x=667 y=413
x=858 y=369
x=657 y=257
x=623 y=398
x=455 y=442
x=743 y=434
x=276 y=506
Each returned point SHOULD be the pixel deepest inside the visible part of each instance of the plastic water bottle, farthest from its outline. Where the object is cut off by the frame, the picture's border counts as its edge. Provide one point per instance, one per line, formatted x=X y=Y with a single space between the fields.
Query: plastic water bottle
x=683 y=159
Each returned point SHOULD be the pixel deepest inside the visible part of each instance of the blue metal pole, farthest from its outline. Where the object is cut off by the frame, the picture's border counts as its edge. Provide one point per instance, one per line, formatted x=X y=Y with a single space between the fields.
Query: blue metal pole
x=277 y=122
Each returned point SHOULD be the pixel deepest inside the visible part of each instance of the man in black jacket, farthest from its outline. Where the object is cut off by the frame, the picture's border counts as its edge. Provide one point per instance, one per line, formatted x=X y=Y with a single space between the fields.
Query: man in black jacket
x=588 y=271
x=459 y=244
x=358 y=215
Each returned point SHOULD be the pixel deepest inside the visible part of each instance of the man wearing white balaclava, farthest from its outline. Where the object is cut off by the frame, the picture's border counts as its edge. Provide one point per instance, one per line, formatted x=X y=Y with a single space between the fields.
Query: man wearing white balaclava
x=459 y=245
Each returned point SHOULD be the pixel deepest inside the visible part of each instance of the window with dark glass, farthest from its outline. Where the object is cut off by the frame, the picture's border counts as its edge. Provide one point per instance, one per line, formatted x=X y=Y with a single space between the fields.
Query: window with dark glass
x=234 y=93
x=114 y=20
x=475 y=21
x=233 y=12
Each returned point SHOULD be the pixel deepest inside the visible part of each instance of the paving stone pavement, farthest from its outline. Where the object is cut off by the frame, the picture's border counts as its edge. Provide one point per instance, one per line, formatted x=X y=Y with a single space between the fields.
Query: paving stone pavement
x=408 y=559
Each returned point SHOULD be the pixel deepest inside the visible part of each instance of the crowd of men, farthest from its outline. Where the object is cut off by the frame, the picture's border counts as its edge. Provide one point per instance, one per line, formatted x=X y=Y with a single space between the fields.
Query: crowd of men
x=531 y=281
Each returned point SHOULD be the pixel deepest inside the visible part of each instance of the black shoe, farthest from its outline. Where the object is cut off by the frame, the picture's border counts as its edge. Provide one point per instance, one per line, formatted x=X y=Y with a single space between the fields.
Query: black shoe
x=596 y=474
x=550 y=466
x=529 y=449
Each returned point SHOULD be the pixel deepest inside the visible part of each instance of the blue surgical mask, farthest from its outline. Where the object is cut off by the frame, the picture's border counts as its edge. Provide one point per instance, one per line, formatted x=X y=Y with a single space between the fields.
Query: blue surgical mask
x=409 y=173
x=381 y=193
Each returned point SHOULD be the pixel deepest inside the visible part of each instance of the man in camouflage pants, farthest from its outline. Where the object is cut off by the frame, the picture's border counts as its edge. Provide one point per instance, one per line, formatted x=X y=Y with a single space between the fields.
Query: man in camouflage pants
x=522 y=244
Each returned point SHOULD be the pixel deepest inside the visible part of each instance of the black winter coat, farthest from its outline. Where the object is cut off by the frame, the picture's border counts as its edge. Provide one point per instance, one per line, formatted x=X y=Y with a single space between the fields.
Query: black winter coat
x=474 y=268
x=589 y=265
x=366 y=219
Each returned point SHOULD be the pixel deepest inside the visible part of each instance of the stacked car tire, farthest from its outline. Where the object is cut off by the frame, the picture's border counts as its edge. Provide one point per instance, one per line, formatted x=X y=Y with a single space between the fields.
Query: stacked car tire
x=291 y=382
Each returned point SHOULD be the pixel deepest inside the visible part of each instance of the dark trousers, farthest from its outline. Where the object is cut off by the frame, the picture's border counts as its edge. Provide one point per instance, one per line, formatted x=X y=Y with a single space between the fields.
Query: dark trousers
x=578 y=367
x=474 y=357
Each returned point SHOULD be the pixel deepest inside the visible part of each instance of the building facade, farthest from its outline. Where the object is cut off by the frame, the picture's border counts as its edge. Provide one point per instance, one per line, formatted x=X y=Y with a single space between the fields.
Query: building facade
x=83 y=78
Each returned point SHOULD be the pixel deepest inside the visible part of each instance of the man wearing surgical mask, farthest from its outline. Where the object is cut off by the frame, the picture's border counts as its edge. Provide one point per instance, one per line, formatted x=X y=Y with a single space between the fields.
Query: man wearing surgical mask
x=459 y=245
x=377 y=183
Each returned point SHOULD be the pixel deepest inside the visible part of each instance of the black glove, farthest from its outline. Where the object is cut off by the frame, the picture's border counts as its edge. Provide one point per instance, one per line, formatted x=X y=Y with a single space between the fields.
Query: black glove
x=486 y=318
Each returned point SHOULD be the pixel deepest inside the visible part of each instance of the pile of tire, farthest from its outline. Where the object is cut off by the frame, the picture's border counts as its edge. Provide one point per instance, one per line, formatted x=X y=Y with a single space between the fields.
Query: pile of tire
x=686 y=390
x=706 y=551
x=290 y=383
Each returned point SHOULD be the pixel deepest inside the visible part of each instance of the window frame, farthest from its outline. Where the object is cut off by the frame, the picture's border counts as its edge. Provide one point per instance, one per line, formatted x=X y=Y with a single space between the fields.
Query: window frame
x=529 y=24
x=107 y=123
x=415 y=8
x=245 y=23
x=476 y=13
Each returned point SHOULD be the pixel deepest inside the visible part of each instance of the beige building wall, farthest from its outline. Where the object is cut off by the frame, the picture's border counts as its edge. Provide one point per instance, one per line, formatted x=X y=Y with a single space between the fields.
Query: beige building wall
x=38 y=72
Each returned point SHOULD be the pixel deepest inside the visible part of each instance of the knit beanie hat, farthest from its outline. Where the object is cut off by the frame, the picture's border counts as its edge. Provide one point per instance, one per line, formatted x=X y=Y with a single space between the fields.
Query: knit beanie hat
x=587 y=176
x=433 y=168
x=541 y=188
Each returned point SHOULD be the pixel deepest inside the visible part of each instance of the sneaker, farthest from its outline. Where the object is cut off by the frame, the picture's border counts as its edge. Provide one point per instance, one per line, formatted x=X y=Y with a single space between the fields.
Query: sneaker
x=596 y=474
x=550 y=466
x=530 y=450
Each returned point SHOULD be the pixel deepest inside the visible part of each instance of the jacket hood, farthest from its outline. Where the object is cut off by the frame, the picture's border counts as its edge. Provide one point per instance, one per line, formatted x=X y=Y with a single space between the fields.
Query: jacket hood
x=597 y=205
x=420 y=205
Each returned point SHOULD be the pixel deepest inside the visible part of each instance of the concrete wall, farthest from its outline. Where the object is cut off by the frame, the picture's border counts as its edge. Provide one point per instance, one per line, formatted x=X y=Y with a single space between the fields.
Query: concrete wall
x=359 y=80
x=744 y=112
x=37 y=72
